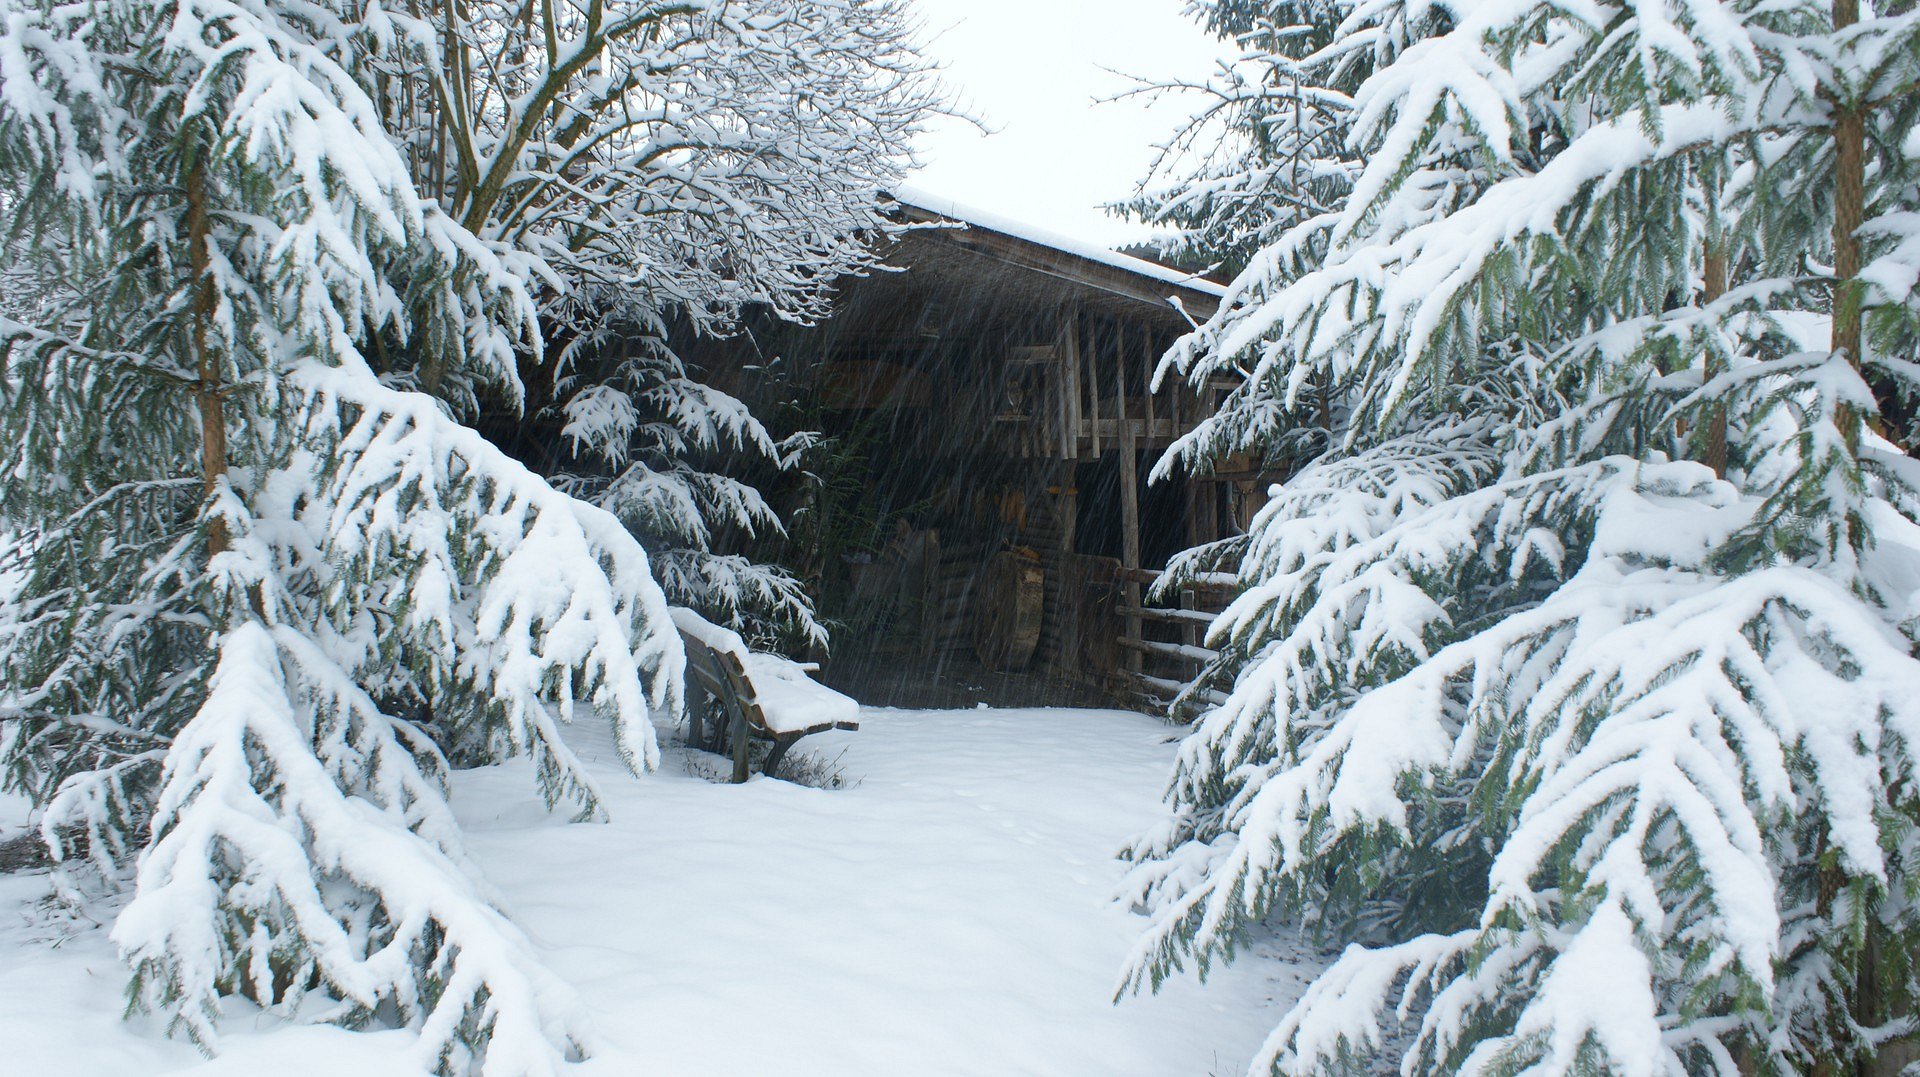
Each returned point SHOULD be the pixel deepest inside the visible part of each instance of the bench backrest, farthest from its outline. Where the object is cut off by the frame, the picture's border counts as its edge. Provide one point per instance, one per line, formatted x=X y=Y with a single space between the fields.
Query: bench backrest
x=723 y=673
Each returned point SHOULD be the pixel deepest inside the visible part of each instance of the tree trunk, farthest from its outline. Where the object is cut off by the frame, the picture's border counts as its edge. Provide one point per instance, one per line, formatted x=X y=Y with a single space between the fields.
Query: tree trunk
x=1849 y=211
x=1714 y=285
x=1849 y=208
x=208 y=396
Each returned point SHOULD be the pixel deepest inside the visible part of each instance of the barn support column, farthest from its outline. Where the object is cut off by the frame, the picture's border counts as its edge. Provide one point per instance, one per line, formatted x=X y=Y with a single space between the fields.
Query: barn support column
x=1093 y=388
x=1069 y=501
x=1069 y=360
x=1129 y=494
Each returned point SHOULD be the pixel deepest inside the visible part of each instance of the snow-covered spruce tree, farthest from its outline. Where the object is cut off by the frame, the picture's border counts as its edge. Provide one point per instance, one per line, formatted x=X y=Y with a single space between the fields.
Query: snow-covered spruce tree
x=675 y=459
x=1266 y=149
x=247 y=560
x=1253 y=184
x=671 y=163
x=1574 y=686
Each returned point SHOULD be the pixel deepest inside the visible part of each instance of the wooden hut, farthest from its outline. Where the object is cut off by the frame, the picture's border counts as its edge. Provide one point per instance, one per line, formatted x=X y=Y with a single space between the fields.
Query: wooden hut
x=999 y=381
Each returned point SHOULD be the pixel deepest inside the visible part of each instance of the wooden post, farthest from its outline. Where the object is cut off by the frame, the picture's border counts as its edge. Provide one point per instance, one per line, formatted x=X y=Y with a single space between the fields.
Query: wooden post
x=741 y=736
x=1146 y=382
x=1072 y=389
x=1059 y=382
x=1173 y=405
x=1069 y=507
x=696 y=704
x=1093 y=394
x=1129 y=493
x=1195 y=493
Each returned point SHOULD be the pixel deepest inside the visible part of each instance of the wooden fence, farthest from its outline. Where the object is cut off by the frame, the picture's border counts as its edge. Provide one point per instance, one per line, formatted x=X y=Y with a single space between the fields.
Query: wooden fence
x=1164 y=647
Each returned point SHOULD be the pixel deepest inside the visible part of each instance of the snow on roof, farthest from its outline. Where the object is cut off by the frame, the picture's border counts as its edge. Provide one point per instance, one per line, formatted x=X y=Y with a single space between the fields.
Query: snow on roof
x=980 y=218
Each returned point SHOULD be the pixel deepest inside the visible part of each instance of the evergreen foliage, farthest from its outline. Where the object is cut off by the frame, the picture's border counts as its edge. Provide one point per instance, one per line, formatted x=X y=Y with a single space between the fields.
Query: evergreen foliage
x=671 y=164
x=674 y=457
x=1572 y=681
x=260 y=581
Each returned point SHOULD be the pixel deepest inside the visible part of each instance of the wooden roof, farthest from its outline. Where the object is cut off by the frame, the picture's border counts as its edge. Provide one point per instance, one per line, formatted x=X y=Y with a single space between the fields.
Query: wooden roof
x=989 y=258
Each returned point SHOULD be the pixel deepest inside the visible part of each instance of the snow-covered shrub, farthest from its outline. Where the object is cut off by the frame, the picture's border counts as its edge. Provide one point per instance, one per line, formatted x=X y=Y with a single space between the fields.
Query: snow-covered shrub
x=1573 y=685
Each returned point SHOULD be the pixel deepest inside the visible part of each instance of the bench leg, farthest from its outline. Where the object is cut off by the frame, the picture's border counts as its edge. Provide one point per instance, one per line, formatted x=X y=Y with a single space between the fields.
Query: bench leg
x=696 y=704
x=779 y=752
x=740 y=738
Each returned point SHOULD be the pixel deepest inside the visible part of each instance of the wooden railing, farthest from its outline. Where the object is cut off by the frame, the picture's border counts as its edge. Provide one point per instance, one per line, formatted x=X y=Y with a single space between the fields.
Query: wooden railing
x=1165 y=646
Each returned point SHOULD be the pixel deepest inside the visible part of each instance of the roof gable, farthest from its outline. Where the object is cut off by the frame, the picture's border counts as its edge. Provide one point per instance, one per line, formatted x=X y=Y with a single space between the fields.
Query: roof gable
x=1038 y=250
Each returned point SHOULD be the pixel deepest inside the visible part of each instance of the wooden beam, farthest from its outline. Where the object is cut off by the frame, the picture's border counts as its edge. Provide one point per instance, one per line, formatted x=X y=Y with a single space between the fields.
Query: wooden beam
x=1129 y=490
x=1222 y=582
x=1196 y=629
x=1183 y=616
x=1158 y=435
x=1072 y=392
x=1179 y=388
x=1179 y=652
x=1160 y=691
x=1210 y=513
x=1190 y=508
x=1069 y=515
x=1093 y=392
x=1146 y=374
x=1062 y=360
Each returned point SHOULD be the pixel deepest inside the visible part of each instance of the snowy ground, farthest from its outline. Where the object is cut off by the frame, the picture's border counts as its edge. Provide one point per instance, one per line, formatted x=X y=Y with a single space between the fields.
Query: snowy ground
x=947 y=914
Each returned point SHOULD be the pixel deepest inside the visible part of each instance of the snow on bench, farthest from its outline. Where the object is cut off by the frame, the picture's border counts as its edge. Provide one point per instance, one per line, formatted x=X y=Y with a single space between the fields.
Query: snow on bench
x=760 y=694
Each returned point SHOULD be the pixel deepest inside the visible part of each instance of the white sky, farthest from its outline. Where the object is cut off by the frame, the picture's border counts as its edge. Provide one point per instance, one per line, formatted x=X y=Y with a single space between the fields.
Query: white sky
x=1032 y=69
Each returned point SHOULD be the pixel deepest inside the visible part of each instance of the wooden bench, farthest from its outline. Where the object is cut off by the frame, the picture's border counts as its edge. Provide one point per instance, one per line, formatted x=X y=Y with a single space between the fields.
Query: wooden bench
x=755 y=695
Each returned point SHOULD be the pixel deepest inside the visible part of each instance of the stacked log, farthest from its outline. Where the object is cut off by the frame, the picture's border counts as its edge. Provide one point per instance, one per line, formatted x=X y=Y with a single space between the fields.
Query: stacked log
x=1008 y=613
